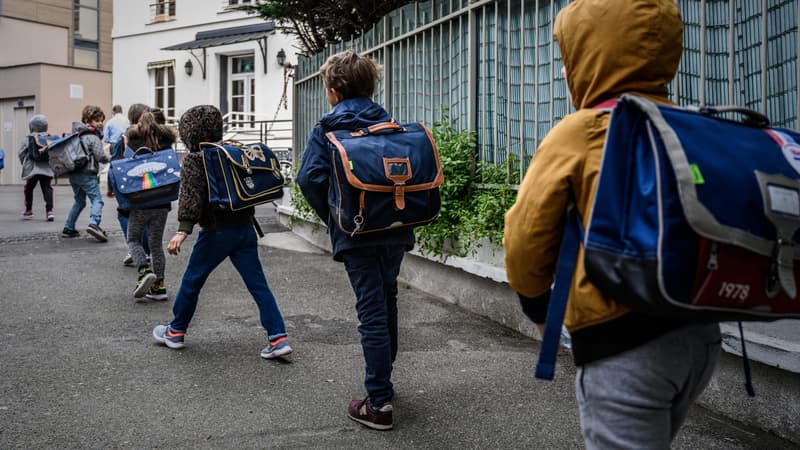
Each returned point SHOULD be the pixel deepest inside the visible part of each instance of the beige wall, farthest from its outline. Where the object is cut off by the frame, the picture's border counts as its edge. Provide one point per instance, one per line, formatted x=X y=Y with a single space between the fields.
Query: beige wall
x=106 y=23
x=55 y=101
x=59 y=13
x=53 y=12
x=20 y=81
x=46 y=89
x=50 y=46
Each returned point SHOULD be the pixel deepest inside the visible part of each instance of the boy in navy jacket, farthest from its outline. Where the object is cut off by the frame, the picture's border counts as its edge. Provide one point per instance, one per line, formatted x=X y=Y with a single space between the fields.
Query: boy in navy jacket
x=372 y=261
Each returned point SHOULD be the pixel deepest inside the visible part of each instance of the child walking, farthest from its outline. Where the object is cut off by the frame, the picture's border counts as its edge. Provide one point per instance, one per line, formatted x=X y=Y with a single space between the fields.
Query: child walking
x=85 y=182
x=149 y=132
x=372 y=261
x=223 y=234
x=36 y=171
x=119 y=150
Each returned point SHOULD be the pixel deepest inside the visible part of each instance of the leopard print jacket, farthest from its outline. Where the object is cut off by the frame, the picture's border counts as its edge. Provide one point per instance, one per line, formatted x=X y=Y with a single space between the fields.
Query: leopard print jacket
x=193 y=205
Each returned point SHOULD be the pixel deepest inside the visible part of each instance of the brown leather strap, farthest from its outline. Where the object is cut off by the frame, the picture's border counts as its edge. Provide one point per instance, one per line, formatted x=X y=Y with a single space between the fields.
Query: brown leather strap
x=399 y=197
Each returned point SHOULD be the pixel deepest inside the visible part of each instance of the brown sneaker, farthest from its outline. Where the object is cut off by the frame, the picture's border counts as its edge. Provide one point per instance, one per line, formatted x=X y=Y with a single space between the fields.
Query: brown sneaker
x=362 y=412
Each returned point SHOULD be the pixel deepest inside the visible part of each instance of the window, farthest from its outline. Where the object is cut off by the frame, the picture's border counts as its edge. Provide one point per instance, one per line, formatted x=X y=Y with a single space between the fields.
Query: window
x=85 y=35
x=165 y=89
x=243 y=90
x=238 y=2
x=163 y=10
x=242 y=64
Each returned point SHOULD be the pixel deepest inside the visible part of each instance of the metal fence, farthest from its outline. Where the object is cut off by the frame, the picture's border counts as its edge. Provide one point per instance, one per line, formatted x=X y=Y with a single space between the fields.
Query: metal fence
x=493 y=67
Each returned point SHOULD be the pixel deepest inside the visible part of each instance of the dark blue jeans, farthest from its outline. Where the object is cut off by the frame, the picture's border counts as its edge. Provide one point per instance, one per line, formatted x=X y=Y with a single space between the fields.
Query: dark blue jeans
x=373 y=275
x=238 y=243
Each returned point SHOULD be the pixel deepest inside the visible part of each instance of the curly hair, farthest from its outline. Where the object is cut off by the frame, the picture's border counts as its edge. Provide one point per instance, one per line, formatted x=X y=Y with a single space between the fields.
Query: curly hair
x=91 y=112
x=202 y=123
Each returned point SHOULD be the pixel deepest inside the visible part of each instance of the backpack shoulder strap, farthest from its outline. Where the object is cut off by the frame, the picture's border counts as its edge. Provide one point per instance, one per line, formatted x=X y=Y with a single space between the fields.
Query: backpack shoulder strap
x=567 y=258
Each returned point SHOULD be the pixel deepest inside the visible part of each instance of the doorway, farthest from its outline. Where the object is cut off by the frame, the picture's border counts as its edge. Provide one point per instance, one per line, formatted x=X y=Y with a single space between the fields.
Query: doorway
x=242 y=97
x=14 y=117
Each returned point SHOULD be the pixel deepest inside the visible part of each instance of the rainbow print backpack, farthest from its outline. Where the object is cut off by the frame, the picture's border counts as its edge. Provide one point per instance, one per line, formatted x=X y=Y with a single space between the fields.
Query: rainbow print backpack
x=146 y=179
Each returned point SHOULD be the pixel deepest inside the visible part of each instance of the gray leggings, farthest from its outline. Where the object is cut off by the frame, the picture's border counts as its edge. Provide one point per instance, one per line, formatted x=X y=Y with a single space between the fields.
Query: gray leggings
x=154 y=220
x=639 y=398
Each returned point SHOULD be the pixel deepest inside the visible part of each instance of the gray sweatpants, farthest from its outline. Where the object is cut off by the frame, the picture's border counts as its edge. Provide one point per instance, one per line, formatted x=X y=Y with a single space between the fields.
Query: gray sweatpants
x=154 y=220
x=639 y=398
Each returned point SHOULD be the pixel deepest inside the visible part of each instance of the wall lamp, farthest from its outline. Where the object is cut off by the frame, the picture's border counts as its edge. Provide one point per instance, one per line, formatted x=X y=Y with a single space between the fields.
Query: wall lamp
x=188 y=67
x=281 y=57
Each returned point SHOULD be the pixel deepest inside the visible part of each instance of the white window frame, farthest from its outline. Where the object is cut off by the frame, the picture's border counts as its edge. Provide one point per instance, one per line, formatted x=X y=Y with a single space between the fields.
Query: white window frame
x=160 y=82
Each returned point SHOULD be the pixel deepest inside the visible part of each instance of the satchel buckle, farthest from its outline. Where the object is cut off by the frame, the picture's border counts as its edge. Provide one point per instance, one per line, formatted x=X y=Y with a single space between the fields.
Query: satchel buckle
x=399 y=196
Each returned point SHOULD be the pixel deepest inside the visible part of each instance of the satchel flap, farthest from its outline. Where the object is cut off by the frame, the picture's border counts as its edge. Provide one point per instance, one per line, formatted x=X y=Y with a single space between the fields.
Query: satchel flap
x=737 y=184
x=388 y=155
x=146 y=171
x=253 y=156
x=43 y=139
x=250 y=173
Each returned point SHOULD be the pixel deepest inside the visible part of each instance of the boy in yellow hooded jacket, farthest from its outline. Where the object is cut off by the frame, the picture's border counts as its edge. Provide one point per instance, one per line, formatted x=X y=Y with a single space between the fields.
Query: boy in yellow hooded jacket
x=637 y=375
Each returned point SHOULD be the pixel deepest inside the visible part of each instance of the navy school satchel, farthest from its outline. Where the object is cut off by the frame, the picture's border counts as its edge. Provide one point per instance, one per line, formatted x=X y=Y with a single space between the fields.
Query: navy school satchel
x=240 y=176
x=695 y=217
x=383 y=177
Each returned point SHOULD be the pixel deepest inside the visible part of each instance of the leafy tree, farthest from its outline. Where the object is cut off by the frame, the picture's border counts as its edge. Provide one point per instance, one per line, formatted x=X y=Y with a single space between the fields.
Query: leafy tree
x=316 y=23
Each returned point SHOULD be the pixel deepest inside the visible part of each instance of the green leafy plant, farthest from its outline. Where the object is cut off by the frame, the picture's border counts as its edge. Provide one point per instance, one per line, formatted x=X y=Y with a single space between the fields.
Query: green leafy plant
x=457 y=154
x=475 y=196
x=490 y=203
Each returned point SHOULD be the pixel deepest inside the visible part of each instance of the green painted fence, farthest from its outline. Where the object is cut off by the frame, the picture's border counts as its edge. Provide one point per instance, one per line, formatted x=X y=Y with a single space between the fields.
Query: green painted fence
x=493 y=67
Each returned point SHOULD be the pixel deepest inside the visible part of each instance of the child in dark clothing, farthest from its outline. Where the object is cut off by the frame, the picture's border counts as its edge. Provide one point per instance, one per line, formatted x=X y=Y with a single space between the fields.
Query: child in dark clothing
x=223 y=234
x=36 y=171
x=372 y=261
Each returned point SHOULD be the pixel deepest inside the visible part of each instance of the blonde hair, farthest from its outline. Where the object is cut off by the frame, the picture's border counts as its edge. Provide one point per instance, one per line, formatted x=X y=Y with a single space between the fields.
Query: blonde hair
x=350 y=74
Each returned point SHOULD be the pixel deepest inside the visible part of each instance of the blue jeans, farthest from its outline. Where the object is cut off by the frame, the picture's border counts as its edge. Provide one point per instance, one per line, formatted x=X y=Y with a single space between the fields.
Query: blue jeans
x=123 y=223
x=238 y=243
x=373 y=275
x=85 y=185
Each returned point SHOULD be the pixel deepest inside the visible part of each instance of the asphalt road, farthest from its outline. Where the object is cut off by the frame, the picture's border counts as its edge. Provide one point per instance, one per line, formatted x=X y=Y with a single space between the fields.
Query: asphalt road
x=79 y=369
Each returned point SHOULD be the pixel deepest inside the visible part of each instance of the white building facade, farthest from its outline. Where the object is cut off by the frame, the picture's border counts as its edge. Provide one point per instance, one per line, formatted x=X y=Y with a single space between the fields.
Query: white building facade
x=176 y=54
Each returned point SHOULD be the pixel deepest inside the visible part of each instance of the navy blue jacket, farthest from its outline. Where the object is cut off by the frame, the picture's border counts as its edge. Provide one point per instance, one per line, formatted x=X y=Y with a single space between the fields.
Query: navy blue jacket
x=315 y=173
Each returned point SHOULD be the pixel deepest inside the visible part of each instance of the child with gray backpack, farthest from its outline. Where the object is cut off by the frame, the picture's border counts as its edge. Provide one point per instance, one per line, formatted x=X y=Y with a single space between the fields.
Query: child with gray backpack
x=85 y=181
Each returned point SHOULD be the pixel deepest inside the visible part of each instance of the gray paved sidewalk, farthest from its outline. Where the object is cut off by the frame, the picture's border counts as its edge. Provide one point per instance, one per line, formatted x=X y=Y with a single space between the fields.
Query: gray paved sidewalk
x=78 y=368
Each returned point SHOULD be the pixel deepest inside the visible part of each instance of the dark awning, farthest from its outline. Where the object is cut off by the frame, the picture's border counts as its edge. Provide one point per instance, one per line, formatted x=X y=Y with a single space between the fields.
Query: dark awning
x=225 y=36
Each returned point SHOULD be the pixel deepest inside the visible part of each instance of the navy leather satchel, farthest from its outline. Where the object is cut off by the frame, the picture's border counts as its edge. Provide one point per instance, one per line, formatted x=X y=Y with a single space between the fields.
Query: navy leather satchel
x=385 y=176
x=240 y=176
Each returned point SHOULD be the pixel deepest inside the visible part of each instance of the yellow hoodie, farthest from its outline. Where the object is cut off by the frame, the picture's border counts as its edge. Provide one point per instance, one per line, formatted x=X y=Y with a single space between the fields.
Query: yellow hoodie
x=609 y=47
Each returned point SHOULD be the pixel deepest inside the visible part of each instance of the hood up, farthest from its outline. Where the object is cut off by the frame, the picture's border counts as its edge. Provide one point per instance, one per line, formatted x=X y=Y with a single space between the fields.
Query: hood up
x=610 y=47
